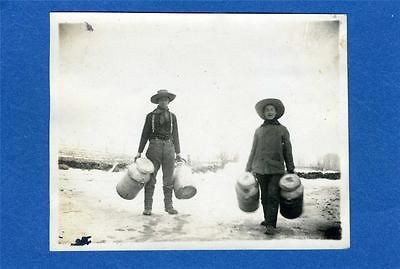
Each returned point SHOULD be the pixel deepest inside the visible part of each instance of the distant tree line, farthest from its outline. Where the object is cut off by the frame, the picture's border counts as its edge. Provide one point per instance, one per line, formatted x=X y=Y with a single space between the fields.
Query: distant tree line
x=330 y=161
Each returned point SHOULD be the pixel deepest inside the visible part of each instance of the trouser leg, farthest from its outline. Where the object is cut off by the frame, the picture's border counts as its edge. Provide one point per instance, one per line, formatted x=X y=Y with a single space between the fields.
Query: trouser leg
x=269 y=187
x=272 y=200
x=154 y=155
x=263 y=183
x=168 y=164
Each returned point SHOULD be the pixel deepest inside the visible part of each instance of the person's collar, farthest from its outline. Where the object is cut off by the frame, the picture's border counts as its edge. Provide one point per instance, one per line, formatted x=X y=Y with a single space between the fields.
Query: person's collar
x=160 y=109
x=270 y=122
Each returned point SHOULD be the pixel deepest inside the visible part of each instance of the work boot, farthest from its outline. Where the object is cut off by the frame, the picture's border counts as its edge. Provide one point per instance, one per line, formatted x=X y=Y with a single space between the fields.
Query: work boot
x=263 y=223
x=270 y=229
x=171 y=211
x=168 y=201
x=147 y=212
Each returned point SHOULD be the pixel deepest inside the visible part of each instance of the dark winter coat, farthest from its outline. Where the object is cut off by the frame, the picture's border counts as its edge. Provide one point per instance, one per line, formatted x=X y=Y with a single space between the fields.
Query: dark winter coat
x=271 y=150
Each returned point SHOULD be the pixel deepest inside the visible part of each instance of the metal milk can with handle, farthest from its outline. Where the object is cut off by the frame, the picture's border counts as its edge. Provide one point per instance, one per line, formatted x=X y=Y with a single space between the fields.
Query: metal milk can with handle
x=184 y=185
x=136 y=176
x=247 y=192
x=291 y=196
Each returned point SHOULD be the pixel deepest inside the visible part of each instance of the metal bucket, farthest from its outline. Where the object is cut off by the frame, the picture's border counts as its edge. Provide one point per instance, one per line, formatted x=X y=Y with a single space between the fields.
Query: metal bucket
x=132 y=182
x=291 y=208
x=247 y=193
x=184 y=185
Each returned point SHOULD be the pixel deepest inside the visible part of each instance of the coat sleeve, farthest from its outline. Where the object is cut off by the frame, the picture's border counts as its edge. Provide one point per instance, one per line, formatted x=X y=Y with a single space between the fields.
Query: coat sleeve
x=287 y=151
x=145 y=133
x=252 y=152
x=175 y=135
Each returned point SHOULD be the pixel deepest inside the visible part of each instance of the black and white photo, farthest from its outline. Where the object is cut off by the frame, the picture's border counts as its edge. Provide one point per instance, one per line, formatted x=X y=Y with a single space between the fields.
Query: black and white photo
x=198 y=131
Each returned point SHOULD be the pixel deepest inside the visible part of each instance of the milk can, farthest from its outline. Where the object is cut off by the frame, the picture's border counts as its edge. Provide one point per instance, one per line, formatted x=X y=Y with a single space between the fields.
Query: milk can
x=291 y=196
x=144 y=165
x=289 y=182
x=247 y=193
x=184 y=185
x=134 y=179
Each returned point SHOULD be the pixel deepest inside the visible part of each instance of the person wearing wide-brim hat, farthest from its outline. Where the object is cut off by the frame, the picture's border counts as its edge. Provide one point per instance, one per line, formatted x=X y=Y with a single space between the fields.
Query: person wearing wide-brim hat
x=161 y=129
x=270 y=151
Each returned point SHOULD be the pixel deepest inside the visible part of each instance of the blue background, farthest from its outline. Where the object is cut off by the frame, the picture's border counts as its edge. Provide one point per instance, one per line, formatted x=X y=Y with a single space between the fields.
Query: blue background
x=374 y=95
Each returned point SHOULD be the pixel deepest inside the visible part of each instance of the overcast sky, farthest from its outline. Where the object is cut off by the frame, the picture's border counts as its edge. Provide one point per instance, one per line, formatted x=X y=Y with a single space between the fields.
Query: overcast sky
x=219 y=66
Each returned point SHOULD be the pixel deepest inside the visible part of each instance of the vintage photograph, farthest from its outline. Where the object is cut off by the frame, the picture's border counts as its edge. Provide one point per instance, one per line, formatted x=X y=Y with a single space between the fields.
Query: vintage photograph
x=175 y=131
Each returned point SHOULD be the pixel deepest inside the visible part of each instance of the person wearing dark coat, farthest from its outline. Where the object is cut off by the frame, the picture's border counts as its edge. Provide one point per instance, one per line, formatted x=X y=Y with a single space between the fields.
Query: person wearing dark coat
x=161 y=130
x=270 y=151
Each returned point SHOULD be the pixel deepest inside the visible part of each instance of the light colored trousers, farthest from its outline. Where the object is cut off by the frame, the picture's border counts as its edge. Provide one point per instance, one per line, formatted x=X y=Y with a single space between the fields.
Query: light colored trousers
x=162 y=154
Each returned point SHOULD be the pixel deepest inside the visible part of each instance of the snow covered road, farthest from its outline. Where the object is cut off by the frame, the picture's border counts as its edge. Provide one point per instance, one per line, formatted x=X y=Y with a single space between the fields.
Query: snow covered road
x=89 y=205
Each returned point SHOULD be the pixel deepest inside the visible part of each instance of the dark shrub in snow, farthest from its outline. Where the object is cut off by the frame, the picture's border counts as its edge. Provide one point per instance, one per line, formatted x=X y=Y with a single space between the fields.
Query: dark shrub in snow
x=63 y=167
x=84 y=164
x=315 y=175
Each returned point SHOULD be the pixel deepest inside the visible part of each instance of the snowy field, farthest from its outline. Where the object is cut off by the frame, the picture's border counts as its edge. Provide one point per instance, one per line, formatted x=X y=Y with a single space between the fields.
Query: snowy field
x=90 y=206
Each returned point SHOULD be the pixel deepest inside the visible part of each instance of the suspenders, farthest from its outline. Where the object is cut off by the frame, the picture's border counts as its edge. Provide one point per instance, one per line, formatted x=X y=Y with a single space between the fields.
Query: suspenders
x=172 y=122
x=153 y=125
x=152 y=122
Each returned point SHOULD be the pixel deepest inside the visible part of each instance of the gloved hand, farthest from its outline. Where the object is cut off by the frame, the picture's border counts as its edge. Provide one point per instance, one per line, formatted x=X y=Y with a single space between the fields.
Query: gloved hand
x=138 y=155
x=290 y=171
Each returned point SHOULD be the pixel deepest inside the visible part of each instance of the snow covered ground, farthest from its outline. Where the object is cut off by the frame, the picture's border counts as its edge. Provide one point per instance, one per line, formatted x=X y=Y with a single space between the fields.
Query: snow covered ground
x=89 y=205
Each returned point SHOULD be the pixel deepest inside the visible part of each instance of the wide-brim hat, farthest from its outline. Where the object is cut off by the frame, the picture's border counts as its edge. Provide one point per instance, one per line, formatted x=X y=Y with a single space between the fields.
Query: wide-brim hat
x=280 y=108
x=160 y=94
